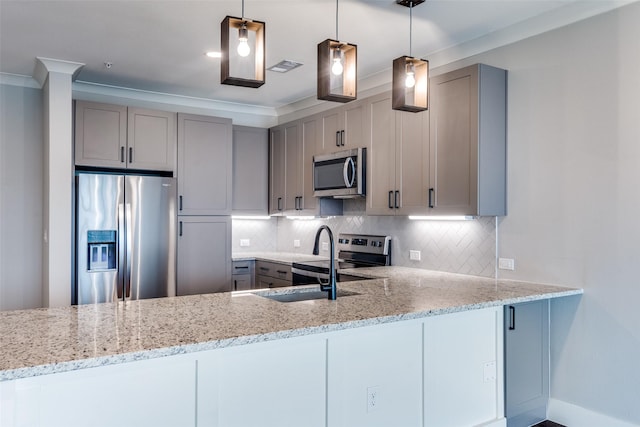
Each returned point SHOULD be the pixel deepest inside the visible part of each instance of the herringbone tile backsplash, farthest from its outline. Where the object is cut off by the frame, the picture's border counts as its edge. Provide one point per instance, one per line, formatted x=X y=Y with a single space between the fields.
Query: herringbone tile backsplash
x=466 y=247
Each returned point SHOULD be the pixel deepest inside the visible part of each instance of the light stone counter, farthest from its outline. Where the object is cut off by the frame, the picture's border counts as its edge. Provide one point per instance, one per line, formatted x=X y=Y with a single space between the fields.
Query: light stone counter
x=45 y=341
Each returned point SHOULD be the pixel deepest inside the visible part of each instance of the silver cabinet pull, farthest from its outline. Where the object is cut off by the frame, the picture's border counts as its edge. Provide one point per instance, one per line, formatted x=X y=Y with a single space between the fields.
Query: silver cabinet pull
x=338 y=138
x=342 y=138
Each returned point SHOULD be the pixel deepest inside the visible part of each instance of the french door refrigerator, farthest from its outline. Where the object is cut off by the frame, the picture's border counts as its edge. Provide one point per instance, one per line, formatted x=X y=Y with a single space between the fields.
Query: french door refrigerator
x=125 y=237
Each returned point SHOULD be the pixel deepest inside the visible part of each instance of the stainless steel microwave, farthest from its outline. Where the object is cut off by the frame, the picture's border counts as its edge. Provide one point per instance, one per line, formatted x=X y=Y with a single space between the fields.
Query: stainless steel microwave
x=340 y=175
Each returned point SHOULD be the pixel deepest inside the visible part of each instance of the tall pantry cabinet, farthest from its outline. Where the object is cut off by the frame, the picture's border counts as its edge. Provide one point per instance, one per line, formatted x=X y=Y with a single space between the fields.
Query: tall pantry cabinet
x=205 y=161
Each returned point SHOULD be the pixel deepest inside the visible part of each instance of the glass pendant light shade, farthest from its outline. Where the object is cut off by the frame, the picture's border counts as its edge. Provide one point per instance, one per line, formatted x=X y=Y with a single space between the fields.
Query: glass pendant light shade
x=410 y=90
x=337 y=71
x=242 y=46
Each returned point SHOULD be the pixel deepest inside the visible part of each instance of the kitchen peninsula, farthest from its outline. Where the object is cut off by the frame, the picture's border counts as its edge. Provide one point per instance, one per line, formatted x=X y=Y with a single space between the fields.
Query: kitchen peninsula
x=205 y=359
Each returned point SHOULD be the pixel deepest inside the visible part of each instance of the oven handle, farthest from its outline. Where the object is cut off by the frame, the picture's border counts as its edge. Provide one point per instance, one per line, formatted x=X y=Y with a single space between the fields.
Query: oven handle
x=345 y=172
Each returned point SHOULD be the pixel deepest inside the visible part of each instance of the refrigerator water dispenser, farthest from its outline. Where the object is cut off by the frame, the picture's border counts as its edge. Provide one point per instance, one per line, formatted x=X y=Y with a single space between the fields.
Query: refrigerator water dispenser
x=101 y=250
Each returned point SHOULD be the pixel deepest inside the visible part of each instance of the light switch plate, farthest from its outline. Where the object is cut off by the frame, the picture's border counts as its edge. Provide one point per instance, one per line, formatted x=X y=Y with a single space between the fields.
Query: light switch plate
x=296 y=243
x=245 y=242
x=325 y=246
x=414 y=255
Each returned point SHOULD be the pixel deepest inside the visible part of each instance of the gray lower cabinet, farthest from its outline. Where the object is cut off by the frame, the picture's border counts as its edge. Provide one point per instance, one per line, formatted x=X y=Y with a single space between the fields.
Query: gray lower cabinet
x=204 y=255
x=273 y=275
x=526 y=333
x=243 y=273
x=250 y=171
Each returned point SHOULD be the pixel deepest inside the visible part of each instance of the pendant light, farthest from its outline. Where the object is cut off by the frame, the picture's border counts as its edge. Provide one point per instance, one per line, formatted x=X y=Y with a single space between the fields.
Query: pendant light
x=243 y=62
x=410 y=75
x=337 y=69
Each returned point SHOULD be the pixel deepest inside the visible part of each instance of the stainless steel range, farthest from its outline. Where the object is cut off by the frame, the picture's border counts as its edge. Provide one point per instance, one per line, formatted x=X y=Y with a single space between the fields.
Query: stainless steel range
x=354 y=251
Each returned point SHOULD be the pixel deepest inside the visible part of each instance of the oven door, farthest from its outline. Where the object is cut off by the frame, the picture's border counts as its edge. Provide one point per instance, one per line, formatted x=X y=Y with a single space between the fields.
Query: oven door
x=340 y=175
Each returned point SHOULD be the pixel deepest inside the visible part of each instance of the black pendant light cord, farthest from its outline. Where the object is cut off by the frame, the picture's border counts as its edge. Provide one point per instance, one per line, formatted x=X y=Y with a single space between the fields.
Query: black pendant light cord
x=337 y=38
x=243 y=10
x=410 y=27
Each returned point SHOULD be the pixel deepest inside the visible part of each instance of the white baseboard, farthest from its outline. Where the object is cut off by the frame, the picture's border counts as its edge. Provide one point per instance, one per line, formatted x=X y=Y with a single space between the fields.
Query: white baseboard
x=572 y=415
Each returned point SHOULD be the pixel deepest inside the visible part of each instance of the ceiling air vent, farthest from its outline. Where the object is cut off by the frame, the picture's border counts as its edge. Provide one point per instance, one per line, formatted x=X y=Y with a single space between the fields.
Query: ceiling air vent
x=284 y=66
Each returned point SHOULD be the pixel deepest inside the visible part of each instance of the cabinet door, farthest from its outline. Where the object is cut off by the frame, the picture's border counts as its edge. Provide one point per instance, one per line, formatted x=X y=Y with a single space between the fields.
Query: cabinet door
x=151 y=139
x=463 y=368
x=412 y=162
x=331 y=126
x=205 y=162
x=204 y=255
x=353 y=125
x=373 y=377
x=454 y=142
x=159 y=392
x=309 y=131
x=527 y=362
x=381 y=156
x=293 y=167
x=250 y=171
x=277 y=171
x=271 y=384
x=100 y=134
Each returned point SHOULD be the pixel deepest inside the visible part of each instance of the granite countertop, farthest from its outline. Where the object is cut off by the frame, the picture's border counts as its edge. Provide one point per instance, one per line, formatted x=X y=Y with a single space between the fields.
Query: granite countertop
x=45 y=341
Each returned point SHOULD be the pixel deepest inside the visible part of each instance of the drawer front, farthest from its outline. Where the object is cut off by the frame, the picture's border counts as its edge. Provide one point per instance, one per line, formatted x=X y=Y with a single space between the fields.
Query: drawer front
x=242 y=267
x=271 y=282
x=274 y=269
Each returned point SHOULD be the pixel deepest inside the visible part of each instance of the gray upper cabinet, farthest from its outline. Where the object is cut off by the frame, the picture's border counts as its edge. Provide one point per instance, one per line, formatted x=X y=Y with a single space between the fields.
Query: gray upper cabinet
x=468 y=142
x=342 y=128
x=250 y=171
x=116 y=136
x=205 y=163
x=398 y=169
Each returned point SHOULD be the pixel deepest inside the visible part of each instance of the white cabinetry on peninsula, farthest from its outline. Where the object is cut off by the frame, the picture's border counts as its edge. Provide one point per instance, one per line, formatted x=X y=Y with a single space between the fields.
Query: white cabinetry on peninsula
x=116 y=136
x=204 y=204
x=437 y=371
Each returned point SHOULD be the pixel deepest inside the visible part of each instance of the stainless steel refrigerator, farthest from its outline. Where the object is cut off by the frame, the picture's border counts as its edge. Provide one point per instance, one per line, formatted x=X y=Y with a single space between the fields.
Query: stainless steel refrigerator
x=125 y=237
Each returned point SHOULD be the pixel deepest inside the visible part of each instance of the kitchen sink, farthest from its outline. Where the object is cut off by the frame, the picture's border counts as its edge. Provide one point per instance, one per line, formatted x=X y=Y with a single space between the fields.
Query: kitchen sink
x=305 y=296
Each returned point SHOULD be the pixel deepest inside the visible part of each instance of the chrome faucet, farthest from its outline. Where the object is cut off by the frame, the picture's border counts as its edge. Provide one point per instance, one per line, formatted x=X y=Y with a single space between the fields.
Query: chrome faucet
x=330 y=286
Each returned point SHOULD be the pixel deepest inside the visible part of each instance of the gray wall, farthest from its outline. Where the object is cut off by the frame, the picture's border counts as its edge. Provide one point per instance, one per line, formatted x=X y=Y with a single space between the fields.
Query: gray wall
x=21 y=180
x=574 y=202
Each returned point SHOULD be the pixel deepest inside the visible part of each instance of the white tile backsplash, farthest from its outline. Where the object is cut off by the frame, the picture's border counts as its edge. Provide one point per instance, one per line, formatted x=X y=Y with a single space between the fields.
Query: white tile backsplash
x=466 y=247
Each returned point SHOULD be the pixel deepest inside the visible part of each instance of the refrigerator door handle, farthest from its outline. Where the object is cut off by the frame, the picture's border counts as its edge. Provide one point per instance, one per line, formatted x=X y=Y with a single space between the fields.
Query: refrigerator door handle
x=129 y=244
x=121 y=250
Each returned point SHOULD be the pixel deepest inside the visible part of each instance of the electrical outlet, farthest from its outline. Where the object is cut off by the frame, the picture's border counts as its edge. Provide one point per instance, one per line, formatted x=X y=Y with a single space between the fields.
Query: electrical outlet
x=373 y=398
x=245 y=242
x=506 y=264
x=414 y=255
x=489 y=372
x=296 y=243
x=325 y=246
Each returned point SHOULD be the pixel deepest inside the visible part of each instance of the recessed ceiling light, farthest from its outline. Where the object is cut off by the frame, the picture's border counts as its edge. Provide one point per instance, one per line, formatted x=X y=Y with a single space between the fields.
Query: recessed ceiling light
x=284 y=66
x=214 y=54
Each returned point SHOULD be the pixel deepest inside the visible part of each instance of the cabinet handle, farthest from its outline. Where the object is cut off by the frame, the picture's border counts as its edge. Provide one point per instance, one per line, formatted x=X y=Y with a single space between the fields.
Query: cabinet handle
x=121 y=154
x=512 y=318
x=295 y=205
x=431 y=193
x=235 y=285
x=130 y=154
x=342 y=138
x=264 y=269
x=337 y=138
x=396 y=197
x=279 y=203
x=180 y=202
x=244 y=267
x=390 y=197
x=180 y=232
x=281 y=271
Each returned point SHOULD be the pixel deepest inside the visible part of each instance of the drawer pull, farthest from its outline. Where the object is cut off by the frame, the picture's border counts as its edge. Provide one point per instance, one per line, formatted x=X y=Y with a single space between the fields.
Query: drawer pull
x=244 y=267
x=281 y=271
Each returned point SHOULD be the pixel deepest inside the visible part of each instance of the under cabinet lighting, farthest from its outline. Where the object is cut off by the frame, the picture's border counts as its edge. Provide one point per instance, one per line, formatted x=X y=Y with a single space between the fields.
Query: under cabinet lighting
x=442 y=217
x=302 y=217
x=249 y=217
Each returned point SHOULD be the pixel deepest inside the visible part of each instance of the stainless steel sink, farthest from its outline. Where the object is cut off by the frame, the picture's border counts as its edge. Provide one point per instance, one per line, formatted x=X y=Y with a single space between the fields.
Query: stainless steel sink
x=305 y=296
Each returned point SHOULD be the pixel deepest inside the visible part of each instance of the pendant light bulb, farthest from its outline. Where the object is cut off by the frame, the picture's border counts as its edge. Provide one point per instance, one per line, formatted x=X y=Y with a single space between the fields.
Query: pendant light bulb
x=337 y=68
x=243 y=36
x=410 y=80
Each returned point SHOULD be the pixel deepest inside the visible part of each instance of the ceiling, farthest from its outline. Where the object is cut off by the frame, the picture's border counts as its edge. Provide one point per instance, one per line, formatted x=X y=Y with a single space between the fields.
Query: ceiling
x=159 y=45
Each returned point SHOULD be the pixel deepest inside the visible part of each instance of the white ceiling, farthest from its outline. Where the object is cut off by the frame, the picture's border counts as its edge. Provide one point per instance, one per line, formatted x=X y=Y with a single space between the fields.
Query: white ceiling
x=159 y=45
